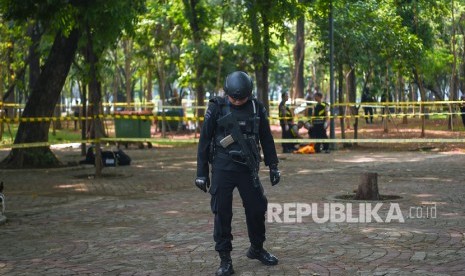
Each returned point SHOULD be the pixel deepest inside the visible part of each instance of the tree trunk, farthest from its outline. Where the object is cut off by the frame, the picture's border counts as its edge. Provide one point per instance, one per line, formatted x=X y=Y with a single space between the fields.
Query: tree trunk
x=83 y=114
x=34 y=56
x=461 y=71
x=259 y=49
x=127 y=47
x=352 y=88
x=368 y=187
x=386 y=114
x=148 y=95
x=116 y=82
x=95 y=96
x=41 y=103
x=266 y=61
x=10 y=95
x=195 y=24
x=402 y=98
x=419 y=82
x=341 y=100
x=218 y=85
x=161 y=89
x=454 y=82
x=299 y=54
x=2 y=126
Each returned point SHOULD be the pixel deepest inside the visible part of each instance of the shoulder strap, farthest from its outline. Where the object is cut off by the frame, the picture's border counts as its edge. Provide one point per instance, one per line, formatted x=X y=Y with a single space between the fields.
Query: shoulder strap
x=255 y=106
x=226 y=106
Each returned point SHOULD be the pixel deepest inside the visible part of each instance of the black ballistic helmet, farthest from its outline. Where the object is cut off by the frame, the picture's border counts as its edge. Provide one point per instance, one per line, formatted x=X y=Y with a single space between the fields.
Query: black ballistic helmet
x=238 y=85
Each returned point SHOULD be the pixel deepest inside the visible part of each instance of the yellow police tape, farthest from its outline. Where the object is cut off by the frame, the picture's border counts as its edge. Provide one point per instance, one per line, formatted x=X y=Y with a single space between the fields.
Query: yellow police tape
x=274 y=103
x=300 y=141
x=194 y=141
x=105 y=117
x=374 y=140
x=195 y=118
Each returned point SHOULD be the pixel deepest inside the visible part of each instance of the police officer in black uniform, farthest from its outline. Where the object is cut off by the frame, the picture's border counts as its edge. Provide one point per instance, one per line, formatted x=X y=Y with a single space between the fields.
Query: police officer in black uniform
x=462 y=109
x=285 y=120
x=229 y=171
x=320 y=123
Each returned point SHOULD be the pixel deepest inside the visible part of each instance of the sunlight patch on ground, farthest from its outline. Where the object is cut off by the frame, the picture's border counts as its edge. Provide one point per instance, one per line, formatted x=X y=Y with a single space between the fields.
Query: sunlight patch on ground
x=172 y=212
x=424 y=195
x=75 y=187
x=379 y=158
x=304 y=171
x=364 y=159
x=427 y=178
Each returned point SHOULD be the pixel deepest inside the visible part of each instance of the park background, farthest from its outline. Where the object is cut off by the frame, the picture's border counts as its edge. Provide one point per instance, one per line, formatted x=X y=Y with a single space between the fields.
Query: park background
x=75 y=71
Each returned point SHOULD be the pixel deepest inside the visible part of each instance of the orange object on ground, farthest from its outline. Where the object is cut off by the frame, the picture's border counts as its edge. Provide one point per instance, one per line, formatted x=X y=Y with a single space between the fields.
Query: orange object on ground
x=307 y=149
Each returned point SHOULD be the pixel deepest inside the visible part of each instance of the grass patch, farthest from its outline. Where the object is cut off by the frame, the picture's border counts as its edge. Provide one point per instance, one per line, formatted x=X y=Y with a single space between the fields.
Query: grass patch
x=61 y=135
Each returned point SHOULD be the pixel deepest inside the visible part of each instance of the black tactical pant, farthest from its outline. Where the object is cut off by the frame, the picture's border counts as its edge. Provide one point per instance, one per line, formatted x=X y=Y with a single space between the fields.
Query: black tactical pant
x=463 y=116
x=368 y=114
x=253 y=200
x=287 y=134
x=319 y=132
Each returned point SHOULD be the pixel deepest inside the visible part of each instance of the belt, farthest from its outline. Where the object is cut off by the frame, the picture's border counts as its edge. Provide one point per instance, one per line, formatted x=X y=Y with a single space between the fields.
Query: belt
x=229 y=158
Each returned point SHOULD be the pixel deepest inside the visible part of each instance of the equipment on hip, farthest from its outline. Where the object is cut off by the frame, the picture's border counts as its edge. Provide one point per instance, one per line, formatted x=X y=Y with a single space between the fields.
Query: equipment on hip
x=248 y=154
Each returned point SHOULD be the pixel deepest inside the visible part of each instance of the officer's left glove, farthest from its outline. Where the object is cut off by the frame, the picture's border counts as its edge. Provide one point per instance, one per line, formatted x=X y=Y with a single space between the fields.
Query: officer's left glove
x=325 y=125
x=203 y=183
x=275 y=174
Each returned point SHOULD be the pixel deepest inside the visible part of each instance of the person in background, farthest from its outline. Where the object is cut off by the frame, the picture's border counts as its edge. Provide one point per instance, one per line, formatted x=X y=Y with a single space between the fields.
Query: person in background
x=285 y=121
x=367 y=98
x=320 y=122
x=462 y=109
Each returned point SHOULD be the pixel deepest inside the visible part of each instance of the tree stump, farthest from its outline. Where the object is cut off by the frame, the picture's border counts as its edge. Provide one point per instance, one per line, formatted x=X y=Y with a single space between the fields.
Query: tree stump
x=368 y=187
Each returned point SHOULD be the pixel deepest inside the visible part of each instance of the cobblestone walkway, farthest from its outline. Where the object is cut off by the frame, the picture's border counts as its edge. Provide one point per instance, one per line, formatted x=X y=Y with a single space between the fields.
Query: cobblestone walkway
x=149 y=219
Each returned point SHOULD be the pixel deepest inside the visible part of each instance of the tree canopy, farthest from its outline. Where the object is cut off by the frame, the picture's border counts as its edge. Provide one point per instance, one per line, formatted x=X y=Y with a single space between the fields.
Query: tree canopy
x=149 y=50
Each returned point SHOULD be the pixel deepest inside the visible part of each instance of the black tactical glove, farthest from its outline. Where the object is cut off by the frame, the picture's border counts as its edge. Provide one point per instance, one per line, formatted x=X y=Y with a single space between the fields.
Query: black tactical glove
x=275 y=175
x=203 y=183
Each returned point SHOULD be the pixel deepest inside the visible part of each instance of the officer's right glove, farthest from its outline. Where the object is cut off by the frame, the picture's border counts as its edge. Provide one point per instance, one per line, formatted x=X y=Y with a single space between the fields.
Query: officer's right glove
x=275 y=174
x=203 y=183
x=286 y=127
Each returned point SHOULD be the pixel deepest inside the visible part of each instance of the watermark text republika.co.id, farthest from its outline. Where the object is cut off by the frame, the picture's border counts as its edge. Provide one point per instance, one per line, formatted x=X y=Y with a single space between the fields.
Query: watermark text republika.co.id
x=364 y=212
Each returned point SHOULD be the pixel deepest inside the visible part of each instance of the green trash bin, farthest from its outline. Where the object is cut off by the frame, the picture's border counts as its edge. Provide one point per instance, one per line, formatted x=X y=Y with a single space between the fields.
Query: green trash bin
x=132 y=128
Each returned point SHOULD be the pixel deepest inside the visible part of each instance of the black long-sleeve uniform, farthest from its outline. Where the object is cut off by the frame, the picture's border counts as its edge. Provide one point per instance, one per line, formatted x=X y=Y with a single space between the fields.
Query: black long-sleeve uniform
x=226 y=174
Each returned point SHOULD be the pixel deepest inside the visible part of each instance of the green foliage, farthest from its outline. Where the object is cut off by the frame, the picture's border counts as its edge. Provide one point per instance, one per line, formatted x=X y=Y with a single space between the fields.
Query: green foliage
x=381 y=37
x=108 y=19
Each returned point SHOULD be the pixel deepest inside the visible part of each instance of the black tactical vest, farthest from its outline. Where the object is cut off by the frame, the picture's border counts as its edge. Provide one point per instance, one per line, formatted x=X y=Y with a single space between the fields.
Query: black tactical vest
x=247 y=117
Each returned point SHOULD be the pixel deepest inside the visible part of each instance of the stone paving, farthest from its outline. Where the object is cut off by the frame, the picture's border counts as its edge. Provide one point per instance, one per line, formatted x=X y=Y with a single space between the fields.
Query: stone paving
x=149 y=219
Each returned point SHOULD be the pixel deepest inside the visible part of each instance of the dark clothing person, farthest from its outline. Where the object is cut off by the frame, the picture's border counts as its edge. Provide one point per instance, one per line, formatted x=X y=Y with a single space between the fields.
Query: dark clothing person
x=293 y=133
x=319 y=124
x=462 y=110
x=367 y=98
x=285 y=121
x=230 y=170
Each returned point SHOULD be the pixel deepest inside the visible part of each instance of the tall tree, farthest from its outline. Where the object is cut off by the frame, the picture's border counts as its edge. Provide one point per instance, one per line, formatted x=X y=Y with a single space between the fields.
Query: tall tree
x=67 y=20
x=199 y=22
x=261 y=17
x=299 y=57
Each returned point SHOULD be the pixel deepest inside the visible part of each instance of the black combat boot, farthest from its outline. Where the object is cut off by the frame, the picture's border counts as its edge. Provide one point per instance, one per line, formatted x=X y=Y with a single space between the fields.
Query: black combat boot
x=226 y=267
x=257 y=252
